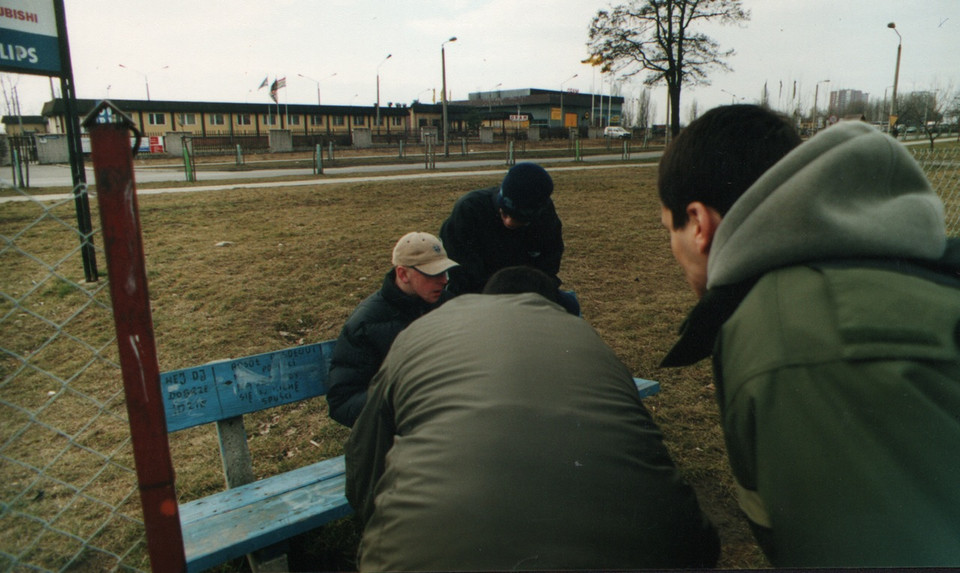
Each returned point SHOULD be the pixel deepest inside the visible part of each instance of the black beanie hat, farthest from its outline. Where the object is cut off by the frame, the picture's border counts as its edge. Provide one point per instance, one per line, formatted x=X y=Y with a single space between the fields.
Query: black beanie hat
x=525 y=190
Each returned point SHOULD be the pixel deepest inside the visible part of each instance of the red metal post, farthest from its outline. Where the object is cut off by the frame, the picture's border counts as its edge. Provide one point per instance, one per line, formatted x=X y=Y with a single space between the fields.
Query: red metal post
x=126 y=269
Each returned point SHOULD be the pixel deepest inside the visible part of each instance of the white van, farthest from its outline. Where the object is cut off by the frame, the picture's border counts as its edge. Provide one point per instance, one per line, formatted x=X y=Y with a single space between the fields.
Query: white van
x=616 y=132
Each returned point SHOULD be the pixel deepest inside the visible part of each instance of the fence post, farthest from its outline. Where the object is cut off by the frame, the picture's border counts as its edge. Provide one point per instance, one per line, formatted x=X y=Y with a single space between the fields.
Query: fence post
x=429 y=155
x=318 y=160
x=17 y=171
x=510 y=159
x=463 y=146
x=401 y=149
x=626 y=150
x=188 y=162
x=330 y=151
x=123 y=243
x=577 y=156
x=239 y=155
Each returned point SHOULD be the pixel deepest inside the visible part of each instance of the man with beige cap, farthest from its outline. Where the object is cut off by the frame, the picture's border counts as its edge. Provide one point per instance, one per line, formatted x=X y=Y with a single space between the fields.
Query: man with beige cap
x=414 y=287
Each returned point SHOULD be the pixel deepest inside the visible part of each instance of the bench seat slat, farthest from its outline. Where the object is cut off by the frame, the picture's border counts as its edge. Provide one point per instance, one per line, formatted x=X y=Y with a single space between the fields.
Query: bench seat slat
x=231 y=499
x=261 y=513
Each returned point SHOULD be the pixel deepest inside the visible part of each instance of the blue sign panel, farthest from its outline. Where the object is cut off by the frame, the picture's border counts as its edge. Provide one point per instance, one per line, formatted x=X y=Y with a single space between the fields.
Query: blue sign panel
x=28 y=38
x=227 y=388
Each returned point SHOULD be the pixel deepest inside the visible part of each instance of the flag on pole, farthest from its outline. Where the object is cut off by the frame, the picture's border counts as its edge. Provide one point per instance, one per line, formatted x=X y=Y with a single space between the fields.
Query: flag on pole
x=277 y=84
x=263 y=84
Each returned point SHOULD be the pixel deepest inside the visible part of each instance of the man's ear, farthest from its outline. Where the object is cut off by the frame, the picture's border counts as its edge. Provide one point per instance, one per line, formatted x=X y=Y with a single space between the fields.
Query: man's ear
x=403 y=274
x=706 y=220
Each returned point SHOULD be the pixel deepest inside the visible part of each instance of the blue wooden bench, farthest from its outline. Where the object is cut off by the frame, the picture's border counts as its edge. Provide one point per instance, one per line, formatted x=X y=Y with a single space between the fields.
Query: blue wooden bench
x=252 y=515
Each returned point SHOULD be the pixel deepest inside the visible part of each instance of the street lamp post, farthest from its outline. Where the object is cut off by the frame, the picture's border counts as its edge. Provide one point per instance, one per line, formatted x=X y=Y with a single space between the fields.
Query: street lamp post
x=894 y=111
x=378 y=90
x=146 y=81
x=490 y=99
x=816 y=95
x=562 y=122
x=318 y=92
x=316 y=82
x=733 y=97
x=443 y=95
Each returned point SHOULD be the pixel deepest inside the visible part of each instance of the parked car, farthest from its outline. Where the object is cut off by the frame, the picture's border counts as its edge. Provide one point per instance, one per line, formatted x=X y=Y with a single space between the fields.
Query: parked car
x=616 y=132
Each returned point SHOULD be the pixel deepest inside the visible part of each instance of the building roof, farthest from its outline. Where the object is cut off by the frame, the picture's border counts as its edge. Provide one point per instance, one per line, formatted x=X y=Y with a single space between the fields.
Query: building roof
x=84 y=106
x=16 y=119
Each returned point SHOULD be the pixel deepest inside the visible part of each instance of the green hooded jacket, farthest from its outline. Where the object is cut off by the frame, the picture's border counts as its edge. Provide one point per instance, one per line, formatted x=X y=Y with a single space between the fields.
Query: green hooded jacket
x=833 y=315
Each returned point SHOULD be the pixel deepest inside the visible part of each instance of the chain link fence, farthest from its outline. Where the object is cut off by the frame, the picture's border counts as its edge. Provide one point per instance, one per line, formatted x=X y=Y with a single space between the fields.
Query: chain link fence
x=942 y=166
x=69 y=495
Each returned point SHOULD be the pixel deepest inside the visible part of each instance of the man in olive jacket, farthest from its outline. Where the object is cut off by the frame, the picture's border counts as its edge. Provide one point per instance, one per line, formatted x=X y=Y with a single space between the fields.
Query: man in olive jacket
x=830 y=300
x=502 y=433
x=414 y=287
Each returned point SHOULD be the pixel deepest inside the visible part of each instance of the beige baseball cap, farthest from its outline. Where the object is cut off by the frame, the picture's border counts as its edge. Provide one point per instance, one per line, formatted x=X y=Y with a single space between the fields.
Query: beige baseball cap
x=423 y=252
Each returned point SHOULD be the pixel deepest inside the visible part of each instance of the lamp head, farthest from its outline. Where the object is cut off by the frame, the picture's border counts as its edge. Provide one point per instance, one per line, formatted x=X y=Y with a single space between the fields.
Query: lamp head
x=891 y=25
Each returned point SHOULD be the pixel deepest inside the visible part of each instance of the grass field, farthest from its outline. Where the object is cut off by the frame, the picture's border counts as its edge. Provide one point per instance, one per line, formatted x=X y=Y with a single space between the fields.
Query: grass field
x=239 y=272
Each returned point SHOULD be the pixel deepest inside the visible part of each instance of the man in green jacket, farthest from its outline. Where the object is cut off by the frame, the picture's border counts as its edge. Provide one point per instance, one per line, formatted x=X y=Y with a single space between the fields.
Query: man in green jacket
x=830 y=300
x=502 y=433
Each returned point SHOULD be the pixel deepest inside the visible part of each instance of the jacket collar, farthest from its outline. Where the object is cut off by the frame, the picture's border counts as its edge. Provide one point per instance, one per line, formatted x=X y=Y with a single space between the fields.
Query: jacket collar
x=699 y=331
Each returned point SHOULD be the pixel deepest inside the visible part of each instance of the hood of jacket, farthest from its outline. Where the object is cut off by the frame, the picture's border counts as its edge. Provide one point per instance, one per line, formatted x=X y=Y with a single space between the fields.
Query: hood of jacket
x=849 y=192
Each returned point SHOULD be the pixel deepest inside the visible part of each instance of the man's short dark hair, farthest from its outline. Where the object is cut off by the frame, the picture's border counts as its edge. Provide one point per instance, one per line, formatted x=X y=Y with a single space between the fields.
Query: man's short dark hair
x=720 y=155
x=520 y=279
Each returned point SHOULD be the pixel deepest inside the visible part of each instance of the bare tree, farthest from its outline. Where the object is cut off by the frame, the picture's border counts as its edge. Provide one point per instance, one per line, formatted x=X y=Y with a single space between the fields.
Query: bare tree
x=644 y=110
x=658 y=36
x=927 y=110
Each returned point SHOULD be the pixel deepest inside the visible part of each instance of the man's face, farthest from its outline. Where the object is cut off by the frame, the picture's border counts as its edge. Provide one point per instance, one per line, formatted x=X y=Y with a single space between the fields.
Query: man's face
x=511 y=222
x=684 y=244
x=427 y=287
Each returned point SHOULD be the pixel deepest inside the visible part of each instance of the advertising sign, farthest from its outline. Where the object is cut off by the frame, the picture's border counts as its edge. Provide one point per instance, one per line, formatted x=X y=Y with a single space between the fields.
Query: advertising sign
x=28 y=37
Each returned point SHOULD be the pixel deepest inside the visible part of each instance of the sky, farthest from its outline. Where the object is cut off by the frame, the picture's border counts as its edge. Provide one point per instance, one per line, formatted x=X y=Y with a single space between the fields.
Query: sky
x=221 y=50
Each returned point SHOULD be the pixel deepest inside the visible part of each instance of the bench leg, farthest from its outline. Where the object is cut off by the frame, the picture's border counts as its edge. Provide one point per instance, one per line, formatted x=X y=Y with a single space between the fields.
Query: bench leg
x=271 y=559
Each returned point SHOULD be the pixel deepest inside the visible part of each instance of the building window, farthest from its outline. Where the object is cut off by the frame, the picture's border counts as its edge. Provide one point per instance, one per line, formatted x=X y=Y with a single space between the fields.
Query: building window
x=188 y=119
x=338 y=120
x=269 y=120
x=359 y=120
x=243 y=119
x=156 y=119
x=293 y=120
x=316 y=120
x=216 y=119
x=397 y=121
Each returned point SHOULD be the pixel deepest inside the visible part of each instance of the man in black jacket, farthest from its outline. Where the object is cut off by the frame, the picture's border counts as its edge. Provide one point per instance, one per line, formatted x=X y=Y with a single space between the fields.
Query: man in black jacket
x=414 y=287
x=511 y=224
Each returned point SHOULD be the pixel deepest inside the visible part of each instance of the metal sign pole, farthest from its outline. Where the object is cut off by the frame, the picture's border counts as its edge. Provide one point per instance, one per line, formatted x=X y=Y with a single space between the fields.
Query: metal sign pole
x=80 y=196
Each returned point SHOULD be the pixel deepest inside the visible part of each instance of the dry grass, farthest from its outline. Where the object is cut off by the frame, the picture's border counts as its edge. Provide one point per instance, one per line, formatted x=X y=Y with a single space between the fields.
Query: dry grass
x=298 y=260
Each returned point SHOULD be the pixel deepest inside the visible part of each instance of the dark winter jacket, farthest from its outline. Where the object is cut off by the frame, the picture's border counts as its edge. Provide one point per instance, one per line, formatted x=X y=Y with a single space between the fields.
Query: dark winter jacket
x=363 y=343
x=475 y=237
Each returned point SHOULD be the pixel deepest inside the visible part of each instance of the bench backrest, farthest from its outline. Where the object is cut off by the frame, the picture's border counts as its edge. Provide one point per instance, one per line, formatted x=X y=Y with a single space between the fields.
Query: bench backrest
x=228 y=388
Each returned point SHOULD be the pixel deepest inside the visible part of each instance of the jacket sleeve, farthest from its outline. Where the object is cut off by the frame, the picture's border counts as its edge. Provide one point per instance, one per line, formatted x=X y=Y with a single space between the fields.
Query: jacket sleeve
x=551 y=246
x=366 y=449
x=459 y=235
x=352 y=365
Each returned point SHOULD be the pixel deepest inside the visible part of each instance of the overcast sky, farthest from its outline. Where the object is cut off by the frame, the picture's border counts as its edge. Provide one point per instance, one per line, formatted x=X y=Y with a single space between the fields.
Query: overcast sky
x=221 y=50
